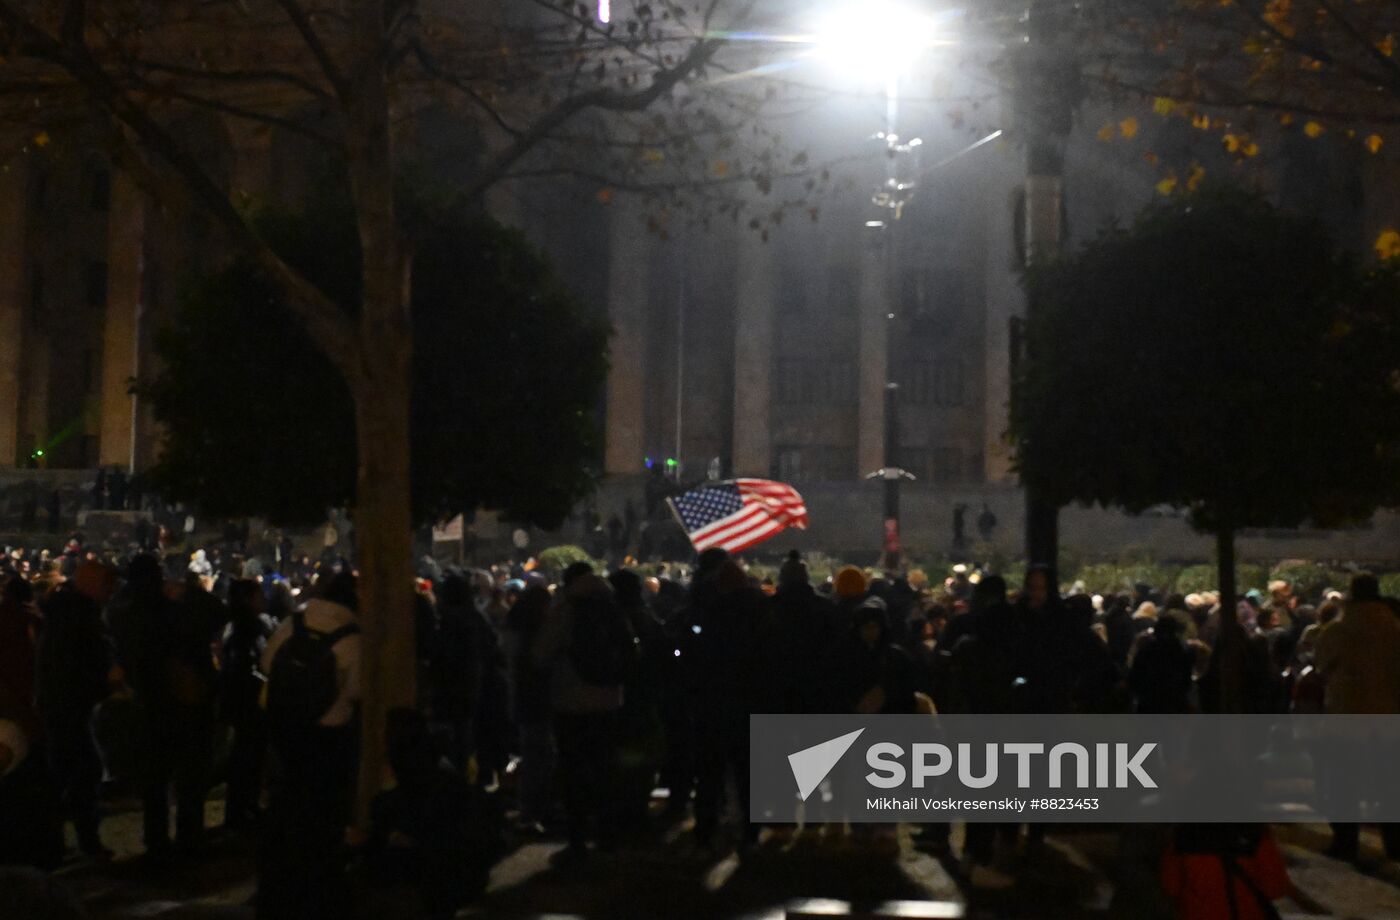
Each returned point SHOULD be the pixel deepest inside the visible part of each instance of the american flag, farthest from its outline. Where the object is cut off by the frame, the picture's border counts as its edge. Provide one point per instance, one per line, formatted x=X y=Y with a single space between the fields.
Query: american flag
x=736 y=515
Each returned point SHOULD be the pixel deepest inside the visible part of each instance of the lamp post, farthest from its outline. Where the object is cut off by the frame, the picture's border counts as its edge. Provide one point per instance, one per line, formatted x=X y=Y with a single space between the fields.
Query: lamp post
x=882 y=40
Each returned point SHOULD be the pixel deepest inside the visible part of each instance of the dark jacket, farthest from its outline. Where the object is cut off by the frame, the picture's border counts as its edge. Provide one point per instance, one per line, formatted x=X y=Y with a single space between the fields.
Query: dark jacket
x=882 y=665
x=240 y=677
x=75 y=655
x=1160 y=676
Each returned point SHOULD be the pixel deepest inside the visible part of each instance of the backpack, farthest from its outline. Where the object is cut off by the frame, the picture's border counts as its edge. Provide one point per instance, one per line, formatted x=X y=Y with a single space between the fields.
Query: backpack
x=302 y=686
x=601 y=647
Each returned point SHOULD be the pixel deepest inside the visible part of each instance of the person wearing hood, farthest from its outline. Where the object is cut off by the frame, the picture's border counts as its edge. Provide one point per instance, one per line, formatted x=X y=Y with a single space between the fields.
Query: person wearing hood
x=796 y=636
x=299 y=870
x=1160 y=674
x=432 y=833
x=455 y=667
x=74 y=674
x=719 y=663
x=530 y=705
x=877 y=674
x=165 y=653
x=586 y=648
x=641 y=736
x=241 y=681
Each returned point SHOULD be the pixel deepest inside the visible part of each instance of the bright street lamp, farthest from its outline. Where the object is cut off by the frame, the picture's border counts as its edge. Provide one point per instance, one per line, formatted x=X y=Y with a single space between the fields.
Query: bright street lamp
x=877 y=38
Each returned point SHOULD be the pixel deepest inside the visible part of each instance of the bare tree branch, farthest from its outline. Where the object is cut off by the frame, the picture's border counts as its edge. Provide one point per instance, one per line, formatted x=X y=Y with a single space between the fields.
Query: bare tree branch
x=322 y=317
x=604 y=98
x=318 y=49
x=249 y=75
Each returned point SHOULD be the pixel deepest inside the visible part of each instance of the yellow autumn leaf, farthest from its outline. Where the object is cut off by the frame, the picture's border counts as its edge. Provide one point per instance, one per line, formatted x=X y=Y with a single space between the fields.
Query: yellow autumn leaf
x=1277 y=14
x=1201 y=122
x=1106 y=133
x=605 y=194
x=1388 y=243
x=1163 y=106
x=1167 y=185
x=1128 y=127
x=1386 y=46
x=42 y=139
x=1232 y=143
x=1251 y=149
x=1374 y=143
x=652 y=155
x=1195 y=177
x=721 y=168
x=1313 y=129
x=1286 y=119
x=1150 y=158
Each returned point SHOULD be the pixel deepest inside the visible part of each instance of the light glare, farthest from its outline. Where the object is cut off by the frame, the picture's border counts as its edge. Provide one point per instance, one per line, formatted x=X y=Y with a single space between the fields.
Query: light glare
x=874 y=38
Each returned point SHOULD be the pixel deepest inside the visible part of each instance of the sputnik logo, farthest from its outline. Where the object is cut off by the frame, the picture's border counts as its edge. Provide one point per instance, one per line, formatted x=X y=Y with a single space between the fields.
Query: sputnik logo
x=811 y=765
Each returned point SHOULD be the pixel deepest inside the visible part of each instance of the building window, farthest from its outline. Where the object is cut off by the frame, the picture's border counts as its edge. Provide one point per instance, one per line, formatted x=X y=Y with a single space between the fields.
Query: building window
x=841 y=289
x=815 y=382
x=99 y=188
x=951 y=387
x=792 y=289
x=915 y=381
x=814 y=463
x=940 y=383
x=789 y=465
x=914 y=460
x=947 y=465
x=96 y=283
x=935 y=300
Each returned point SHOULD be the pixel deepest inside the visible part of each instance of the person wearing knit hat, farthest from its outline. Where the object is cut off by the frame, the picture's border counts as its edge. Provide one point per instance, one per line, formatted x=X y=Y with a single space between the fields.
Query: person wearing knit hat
x=850 y=583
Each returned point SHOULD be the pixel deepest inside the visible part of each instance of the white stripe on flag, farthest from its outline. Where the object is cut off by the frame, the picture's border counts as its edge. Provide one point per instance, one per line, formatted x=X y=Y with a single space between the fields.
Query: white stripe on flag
x=725 y=523
x=755 y=536
x=736 y=533
x=754 y=515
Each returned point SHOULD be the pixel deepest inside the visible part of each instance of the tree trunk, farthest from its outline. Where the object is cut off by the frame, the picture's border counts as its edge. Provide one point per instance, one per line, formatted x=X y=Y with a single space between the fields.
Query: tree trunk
x=1042 y=531
x=381 y=385
x=383 y=526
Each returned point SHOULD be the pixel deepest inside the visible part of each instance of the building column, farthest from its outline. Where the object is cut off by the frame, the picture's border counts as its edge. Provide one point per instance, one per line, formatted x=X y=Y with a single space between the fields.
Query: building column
x=121 y=330
x=1004 y=303
x=629 y=278
x=1044 y=209
x=875 y=308
x=753 y=356
x=13 y=288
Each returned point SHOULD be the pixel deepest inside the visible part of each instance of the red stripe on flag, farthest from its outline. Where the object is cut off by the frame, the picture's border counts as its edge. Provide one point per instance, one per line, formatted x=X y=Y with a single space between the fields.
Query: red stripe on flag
x=753 y=537
x=754 y=516
x=738 y=517
x=735 y=535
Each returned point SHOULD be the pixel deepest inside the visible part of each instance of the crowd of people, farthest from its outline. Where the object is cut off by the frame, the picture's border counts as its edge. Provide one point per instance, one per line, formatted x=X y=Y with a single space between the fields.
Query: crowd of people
x=575 y=700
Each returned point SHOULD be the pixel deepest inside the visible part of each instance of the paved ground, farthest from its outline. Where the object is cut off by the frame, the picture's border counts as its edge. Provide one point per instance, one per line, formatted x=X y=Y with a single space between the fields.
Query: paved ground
x=1071 y=875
